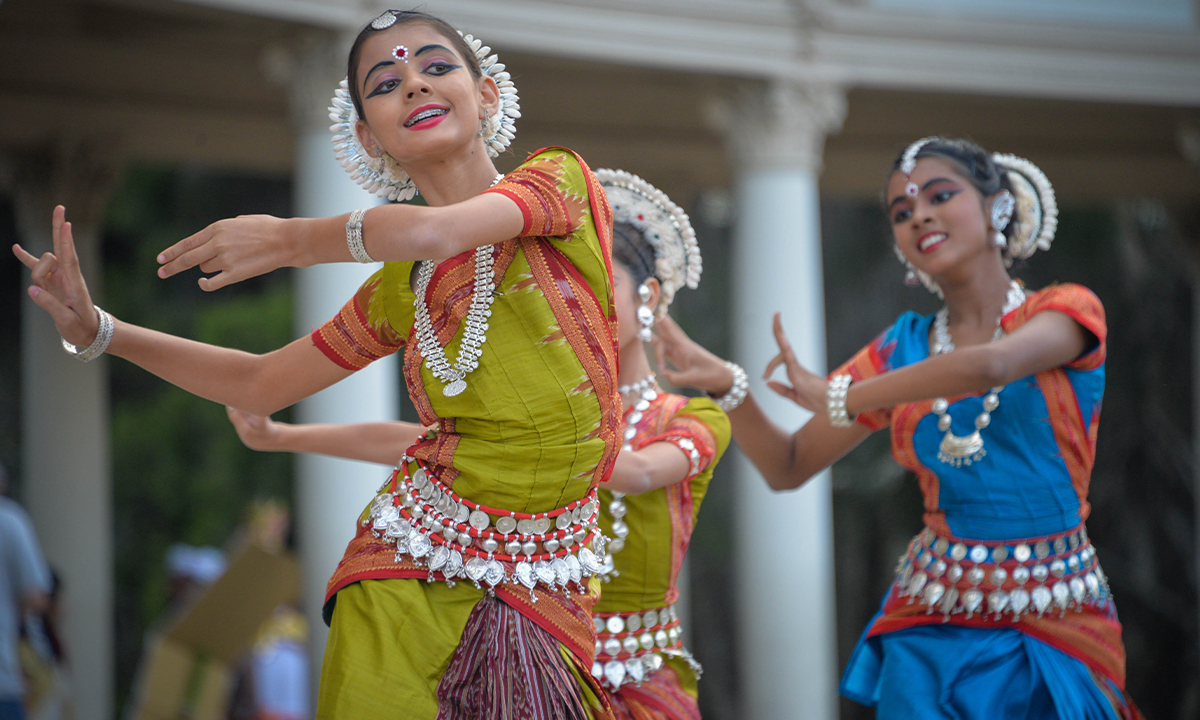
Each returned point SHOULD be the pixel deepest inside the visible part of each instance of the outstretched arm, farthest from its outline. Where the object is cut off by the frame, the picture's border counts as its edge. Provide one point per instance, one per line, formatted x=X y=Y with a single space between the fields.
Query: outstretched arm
x=261 y=384
x=377 y=442
x=1048 y=340
x=243 y=247
x=786 y=459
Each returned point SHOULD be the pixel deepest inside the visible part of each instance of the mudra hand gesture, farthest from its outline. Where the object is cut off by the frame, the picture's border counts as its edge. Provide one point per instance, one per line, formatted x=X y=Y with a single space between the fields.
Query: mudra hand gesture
x=58 y=285
x=685 y=363
x=807 y=389
x=236 y=249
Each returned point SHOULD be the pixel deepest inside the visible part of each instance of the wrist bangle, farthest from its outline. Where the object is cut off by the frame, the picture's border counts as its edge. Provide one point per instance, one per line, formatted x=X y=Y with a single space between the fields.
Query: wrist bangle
x=354 y=237
x=737 y=391
x=835 y=401
x=104 y=335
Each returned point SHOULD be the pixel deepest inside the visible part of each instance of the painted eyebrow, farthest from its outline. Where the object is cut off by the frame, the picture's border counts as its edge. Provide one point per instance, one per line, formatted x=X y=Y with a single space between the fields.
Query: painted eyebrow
x=378 y=65
x=898 y=198
x=427 y=48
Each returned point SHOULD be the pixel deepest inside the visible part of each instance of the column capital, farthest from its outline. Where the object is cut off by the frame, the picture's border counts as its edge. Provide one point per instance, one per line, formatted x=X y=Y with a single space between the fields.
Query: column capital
x=779 y=125
x=310 y=66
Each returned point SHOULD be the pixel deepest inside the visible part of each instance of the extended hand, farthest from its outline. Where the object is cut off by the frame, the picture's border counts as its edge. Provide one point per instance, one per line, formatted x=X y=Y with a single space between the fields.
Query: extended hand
x=685 y=363
x=58 y=285
x=236 y=249
x=806 y=390
x=255 y=431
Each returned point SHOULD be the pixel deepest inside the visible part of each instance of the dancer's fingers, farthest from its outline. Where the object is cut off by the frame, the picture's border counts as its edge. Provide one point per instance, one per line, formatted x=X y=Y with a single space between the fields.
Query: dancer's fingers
x=218 y=281
x=57 y=218
x=65 y=319
x=783 y=389
x=66 y=247
x=772 y=365
x=181 y=256
x=26 y=259
x=43 y=268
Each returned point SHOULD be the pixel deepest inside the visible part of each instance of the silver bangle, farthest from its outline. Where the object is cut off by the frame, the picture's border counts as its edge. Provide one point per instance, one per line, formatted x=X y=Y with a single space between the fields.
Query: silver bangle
x=104 y=336
x=835 y=401
x=737 y=391
x=354 y=237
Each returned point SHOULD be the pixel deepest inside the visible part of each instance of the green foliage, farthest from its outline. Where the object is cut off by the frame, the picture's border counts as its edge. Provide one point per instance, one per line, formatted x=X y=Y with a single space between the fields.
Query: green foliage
x=180 y=474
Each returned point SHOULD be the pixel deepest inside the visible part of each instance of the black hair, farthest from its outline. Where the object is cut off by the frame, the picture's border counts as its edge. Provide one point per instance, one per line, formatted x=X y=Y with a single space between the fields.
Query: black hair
x=631 y=250
x=404 y=17
x=974 y=163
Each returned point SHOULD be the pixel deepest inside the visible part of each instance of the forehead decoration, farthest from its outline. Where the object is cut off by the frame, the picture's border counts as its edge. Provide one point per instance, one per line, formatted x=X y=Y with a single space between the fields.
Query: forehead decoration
x=665 y=227
x=383 y=176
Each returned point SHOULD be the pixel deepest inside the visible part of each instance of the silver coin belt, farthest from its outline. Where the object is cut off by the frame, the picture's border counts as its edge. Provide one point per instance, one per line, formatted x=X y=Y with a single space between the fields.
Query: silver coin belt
x=439 y=530
x=631 y=645
x=1003 y=580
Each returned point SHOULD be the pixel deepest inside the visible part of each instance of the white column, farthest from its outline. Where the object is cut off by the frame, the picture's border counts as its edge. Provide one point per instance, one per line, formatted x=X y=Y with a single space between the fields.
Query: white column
x=330 y=493
x=785 y=582
x=64 y=422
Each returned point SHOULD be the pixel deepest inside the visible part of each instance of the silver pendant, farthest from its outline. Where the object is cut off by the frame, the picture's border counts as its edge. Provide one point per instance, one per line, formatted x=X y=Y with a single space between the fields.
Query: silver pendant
x=959 y=450
x=454 y=388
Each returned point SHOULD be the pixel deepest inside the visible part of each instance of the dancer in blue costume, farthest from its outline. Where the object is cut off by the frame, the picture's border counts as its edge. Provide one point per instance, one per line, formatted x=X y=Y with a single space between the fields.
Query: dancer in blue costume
x=999 y=608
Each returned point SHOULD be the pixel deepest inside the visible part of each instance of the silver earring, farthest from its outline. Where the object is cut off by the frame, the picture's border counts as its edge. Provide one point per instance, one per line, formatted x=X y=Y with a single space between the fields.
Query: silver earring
x=483 y=124
x=645 y=314
x=1002 y=211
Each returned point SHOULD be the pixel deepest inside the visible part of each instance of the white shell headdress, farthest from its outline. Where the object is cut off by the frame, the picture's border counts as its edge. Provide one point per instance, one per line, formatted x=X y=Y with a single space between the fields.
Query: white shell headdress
x=1036 y=215
x=383 y=176
x=664 y=225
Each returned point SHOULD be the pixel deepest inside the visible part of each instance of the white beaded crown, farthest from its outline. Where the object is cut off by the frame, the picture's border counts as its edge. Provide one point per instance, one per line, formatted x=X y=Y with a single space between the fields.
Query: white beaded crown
x=383 y=176
x=664 y=225
x=1037 y=208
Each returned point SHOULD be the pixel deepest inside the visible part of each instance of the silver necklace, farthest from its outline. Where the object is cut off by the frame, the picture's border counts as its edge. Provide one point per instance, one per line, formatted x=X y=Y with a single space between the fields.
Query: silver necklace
x=958 y=450
x=475 y=325
x=639 y=386
x=647 y=389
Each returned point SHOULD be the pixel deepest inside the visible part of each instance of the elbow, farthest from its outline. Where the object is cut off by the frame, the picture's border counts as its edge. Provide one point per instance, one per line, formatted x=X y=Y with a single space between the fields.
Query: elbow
x=779 y=482
x=427 y=239
x=993 y=369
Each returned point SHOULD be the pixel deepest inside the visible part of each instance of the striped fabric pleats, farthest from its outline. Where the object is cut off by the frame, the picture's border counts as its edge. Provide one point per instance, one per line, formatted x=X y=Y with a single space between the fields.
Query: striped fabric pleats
x=508 y=668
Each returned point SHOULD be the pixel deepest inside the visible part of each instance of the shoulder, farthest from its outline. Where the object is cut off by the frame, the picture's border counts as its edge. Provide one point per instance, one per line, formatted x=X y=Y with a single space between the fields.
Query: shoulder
x=15 y=522
x=1073 y=300
x=704 y=411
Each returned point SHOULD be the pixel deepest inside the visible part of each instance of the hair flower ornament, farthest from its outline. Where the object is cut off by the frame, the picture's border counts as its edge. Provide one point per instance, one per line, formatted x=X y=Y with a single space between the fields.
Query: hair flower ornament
x=663 y=224
x=382 y=175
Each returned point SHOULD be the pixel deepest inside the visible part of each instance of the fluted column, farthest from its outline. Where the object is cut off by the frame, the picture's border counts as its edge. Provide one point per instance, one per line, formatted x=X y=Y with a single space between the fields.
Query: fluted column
x=65 y=443
x=788 y=651
x=330 y=493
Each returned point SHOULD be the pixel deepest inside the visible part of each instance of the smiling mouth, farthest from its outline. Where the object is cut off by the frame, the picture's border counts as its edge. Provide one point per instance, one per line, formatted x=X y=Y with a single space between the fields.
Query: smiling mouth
x=425 y=115
x=930 y=241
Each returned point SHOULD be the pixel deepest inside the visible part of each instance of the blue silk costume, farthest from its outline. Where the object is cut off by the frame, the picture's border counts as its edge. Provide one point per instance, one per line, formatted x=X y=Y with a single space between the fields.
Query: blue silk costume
x=1020 y=623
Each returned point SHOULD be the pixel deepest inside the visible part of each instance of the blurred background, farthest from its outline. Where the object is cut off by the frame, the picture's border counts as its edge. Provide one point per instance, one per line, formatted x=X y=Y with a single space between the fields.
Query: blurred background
x=772 y=122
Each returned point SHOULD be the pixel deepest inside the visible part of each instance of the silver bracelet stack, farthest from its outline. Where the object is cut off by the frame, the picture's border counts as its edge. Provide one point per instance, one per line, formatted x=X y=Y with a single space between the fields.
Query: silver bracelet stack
x=354 y=237
x=104 y=336
x=835 y=401
x=737 y=391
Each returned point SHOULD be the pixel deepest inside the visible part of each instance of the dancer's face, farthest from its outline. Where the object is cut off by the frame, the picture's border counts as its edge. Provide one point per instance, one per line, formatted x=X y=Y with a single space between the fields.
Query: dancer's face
x=423 y=108
x=625 y=290
x=945 y=224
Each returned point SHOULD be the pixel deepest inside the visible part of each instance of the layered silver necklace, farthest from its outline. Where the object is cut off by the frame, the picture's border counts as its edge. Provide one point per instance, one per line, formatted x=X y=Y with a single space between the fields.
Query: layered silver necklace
x=475 y=326
x=958 y=450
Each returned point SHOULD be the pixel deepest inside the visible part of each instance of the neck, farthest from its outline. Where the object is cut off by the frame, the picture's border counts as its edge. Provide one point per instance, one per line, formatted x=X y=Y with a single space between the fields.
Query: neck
x=975 y=298
x=634 y=366
x=455 y=178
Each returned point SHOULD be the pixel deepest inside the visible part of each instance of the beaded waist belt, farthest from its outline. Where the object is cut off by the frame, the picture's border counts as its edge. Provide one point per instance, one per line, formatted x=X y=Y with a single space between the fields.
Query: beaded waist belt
x=631 y=645
x=438 y=529
x=1012 y=577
